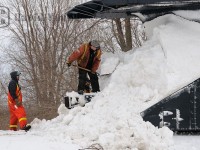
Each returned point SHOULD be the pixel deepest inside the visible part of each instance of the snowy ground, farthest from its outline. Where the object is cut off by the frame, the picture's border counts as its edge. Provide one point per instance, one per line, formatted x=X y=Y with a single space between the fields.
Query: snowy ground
x=168 y=61
x=25 y=141
x=12 y=140
x=189 y=142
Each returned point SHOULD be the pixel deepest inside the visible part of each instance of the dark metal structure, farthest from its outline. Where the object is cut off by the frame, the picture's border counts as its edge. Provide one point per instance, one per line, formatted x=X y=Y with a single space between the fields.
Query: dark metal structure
x=179 y=111
x=144 y=9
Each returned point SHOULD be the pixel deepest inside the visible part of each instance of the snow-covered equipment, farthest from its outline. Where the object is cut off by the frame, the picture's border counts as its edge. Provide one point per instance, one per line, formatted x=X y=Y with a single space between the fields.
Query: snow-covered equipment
x=144 y=9
x=73 y=99
x=180 y=111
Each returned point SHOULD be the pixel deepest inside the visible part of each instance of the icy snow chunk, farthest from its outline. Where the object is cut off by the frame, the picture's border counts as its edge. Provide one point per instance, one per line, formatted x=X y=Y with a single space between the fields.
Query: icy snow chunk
x=67 y=119
x=62 y=110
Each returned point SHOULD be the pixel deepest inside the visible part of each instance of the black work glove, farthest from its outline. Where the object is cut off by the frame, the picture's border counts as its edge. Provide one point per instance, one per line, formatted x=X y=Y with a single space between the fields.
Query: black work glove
x=68 y=64
x=18 y=103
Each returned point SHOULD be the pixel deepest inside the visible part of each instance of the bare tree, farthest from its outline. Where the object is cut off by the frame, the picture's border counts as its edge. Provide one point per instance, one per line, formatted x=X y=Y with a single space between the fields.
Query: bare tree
x=127 y=33
x=44 y=39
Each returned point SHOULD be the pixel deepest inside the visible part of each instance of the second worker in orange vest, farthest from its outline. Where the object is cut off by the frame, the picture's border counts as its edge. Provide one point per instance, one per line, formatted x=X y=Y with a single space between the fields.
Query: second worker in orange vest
x=88 y=56
x=16 y=109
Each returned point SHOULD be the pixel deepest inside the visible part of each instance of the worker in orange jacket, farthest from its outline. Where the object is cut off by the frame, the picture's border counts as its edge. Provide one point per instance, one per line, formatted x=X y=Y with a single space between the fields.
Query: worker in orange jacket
x=16 y=109
x=88 y=57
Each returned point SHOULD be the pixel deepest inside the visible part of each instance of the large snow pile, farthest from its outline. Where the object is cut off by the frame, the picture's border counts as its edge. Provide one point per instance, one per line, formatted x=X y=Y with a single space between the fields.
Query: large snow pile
x=168 y=61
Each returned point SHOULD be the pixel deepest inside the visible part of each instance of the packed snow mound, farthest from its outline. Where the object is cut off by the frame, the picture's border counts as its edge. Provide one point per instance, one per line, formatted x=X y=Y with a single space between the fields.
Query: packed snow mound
x=168 y=61
x=111 y=61
x=179 y=39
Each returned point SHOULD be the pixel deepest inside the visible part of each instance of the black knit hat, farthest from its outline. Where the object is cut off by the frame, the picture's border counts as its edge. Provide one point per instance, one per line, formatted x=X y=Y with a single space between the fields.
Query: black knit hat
x=14 y=74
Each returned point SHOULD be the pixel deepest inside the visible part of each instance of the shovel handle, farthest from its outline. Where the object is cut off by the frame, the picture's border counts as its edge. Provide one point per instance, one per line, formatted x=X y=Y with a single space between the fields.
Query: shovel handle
x=84 y=69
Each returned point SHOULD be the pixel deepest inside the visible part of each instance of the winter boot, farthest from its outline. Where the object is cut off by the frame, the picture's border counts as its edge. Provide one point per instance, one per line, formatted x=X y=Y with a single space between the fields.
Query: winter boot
x=26 y=127
x=80 y=92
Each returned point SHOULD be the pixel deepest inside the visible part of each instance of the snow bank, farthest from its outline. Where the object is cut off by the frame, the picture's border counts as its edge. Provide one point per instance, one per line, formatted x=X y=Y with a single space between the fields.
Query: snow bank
x=168 y=61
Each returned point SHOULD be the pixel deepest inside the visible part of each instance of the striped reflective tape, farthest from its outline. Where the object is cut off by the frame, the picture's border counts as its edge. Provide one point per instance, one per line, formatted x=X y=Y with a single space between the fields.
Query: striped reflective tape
x=22 y=119
x=13 y=126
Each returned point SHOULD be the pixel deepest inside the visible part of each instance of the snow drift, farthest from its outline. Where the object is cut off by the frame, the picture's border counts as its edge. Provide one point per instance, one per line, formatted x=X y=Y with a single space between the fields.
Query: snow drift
x=166 y=62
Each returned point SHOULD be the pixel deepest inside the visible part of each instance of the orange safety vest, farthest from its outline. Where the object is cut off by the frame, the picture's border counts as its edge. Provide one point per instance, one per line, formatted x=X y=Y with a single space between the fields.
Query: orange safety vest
x=18 y=93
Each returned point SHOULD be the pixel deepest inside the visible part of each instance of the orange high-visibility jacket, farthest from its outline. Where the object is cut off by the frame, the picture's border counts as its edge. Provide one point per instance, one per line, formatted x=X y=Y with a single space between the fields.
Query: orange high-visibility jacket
x=82 y=57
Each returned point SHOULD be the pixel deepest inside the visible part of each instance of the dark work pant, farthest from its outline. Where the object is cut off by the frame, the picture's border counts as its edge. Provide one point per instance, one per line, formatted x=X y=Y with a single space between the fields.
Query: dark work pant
x=93 y=79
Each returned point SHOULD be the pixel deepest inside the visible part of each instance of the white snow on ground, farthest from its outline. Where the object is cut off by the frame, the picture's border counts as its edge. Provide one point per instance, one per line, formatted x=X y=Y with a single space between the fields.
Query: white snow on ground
x=168 y=61
x=25 y=141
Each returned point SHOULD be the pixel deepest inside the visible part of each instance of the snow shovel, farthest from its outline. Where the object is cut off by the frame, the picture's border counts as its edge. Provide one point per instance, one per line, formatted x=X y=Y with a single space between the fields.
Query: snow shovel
x=88 y=70
x=106 y=74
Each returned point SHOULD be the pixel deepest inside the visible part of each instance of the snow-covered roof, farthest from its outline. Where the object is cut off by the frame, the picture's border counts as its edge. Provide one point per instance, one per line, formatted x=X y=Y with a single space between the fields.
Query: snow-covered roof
x=144 y=9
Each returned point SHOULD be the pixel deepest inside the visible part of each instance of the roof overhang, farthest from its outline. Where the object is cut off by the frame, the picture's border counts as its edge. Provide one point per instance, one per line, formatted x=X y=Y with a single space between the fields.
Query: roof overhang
x=144 y=9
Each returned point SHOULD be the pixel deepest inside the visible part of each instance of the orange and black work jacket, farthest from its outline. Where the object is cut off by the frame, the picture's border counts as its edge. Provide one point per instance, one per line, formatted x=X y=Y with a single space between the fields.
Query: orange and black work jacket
x=82 y=55
x=14 y=92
